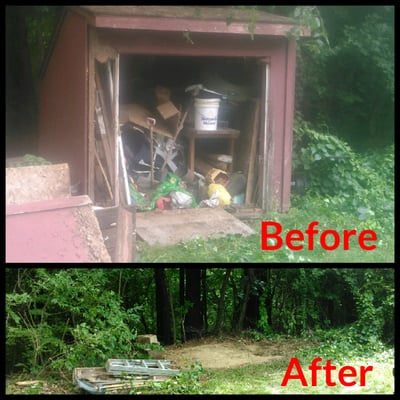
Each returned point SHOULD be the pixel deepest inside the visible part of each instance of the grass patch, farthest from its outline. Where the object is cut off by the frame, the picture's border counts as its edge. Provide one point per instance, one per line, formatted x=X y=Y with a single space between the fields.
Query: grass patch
x=267 y=379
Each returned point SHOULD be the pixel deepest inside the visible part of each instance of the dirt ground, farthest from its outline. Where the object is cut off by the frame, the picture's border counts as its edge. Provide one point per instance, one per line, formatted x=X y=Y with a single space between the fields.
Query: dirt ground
x=231 y=352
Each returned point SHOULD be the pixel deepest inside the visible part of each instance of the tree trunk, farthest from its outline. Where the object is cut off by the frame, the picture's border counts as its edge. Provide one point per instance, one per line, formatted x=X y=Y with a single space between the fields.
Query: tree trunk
x=171 y=307
x=194 y=318
x=270 y=295
x=163 y=307
x=182 y=302
x=252 y=313
x=204 y=297
x=249 y=280
x=221 y=302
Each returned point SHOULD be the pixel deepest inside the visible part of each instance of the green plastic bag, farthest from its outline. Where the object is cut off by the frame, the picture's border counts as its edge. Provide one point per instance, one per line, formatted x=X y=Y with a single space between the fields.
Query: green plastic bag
x=172 y=183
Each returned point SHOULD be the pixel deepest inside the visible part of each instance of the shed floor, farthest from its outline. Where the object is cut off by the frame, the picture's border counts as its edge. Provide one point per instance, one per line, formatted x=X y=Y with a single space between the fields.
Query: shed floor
x=172 y=226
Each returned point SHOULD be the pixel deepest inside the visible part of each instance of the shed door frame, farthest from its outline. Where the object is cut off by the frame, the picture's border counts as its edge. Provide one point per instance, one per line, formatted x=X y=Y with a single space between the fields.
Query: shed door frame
x=108 y=165
x=267 y=137
x=117 y=177
x=272 y=191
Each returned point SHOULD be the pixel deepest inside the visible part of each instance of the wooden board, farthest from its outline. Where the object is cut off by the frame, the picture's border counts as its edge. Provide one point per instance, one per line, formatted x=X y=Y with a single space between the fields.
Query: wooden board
x=251 y=172
x=108 y=223
x=168 y=227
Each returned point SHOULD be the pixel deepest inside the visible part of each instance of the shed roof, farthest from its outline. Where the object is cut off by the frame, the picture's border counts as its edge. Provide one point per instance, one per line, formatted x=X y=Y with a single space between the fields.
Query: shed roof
x=209 y=19
x=226 y=19
x=192 y=12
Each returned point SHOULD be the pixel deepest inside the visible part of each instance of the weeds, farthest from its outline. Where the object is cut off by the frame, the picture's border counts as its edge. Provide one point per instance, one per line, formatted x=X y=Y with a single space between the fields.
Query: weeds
x=186 y=382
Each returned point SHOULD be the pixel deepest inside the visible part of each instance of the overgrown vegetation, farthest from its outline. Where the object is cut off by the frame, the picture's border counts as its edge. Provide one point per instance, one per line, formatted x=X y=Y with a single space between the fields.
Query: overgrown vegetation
x=64 y=318
x=345 y=72
x=350 y=182
x=60 y=319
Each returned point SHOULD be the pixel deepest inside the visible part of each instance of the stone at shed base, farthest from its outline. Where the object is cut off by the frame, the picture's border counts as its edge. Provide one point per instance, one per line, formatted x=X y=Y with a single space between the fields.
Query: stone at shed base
x=147 y=339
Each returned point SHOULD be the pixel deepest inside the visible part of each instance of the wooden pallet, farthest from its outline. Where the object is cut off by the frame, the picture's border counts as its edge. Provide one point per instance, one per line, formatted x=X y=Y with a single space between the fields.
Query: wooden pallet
x=122 y=374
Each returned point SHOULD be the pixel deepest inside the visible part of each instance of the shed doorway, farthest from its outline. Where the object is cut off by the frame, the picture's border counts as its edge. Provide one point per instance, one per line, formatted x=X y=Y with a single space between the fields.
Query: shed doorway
x=158 y=87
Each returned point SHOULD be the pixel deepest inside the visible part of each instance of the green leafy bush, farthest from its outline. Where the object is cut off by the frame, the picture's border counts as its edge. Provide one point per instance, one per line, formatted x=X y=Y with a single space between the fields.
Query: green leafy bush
x=342 y=344
x=67 y=319
x=358 y=184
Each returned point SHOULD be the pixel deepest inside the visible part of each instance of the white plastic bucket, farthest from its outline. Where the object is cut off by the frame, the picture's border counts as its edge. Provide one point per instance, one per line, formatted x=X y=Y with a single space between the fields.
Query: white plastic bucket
x=206 y=114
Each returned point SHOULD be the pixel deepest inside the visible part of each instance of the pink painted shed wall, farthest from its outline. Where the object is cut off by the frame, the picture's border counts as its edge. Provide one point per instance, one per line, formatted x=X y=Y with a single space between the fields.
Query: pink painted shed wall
x=63 y=100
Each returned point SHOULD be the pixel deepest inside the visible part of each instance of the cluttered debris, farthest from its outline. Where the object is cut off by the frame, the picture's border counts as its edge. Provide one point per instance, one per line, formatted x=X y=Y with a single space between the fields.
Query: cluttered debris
x=156 y=162
x=169 y=193
x=183 y=150
x=122 y=374
x=161 y=167
x=125 y=374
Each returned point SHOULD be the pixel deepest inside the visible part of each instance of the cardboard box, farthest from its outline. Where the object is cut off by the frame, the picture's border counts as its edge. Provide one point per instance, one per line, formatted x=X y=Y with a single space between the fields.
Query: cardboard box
x=168 y=110
x=170 y=114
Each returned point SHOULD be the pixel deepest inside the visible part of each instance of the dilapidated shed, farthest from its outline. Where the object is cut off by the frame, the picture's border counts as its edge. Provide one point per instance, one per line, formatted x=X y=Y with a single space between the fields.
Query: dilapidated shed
x=113 y=65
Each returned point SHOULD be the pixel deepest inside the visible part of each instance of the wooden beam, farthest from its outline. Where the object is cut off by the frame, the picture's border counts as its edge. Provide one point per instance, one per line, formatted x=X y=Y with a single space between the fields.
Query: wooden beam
x=115 y=114
x=91 y=115
x=104 y=174
x=125 y=231
x=253 y=152
x=104 y=139
x=192 y=25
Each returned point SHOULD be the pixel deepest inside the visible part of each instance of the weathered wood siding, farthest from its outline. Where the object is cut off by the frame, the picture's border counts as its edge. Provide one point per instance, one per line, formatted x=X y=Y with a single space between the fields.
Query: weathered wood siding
x=63 y=101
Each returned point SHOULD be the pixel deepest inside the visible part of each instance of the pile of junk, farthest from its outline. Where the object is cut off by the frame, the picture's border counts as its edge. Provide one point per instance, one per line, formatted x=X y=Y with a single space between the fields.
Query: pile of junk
x=155 y=154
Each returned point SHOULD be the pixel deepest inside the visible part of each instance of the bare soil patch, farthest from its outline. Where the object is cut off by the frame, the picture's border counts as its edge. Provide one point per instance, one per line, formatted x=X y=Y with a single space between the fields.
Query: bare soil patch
x=214 y=353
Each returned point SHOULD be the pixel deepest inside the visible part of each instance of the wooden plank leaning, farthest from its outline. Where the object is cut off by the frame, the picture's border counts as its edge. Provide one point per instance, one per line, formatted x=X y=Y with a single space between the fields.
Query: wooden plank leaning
x=253 y=153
